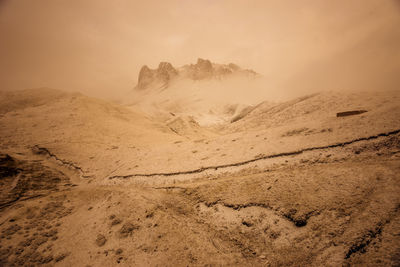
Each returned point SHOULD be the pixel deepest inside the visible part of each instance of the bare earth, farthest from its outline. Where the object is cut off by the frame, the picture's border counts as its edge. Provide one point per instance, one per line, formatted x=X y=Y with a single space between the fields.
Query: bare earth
x=85 y=182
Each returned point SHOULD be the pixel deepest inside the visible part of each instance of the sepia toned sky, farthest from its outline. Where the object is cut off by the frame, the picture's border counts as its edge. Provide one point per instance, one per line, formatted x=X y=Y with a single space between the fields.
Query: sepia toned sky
x=98 y=46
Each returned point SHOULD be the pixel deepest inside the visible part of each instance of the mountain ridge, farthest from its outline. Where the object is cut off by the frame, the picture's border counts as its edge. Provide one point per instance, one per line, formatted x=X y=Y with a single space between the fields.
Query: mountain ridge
x=204 y=69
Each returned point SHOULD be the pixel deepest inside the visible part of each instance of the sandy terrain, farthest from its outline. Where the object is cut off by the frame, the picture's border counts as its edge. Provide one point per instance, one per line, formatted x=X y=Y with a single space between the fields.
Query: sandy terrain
x=85 y=182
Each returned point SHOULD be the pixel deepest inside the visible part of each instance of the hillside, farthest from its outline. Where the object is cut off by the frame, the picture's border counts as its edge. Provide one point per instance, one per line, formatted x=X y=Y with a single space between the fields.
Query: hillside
x=89 y=182
x=66 y=123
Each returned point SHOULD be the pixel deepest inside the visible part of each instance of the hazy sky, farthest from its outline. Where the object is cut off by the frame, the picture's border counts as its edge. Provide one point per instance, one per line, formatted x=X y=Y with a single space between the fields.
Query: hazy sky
x=98 y=46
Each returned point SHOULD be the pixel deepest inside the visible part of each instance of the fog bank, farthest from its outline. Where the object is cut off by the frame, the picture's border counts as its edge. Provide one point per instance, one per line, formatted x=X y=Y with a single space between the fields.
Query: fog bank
x=98 y=47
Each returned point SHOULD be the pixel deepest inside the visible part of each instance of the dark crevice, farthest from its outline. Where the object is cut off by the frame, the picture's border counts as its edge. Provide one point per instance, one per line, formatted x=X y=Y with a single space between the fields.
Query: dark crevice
x=361 y=244
x=216 y=167
x=247 y=205
x=20 y=197
x=298 y=221
x=44 y=151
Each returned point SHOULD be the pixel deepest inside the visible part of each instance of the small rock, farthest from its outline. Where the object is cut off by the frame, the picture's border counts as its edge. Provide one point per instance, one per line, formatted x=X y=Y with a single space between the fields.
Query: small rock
x=46 y=259
x=115 y=222
x=101 y=240
x=127 y=229
x=61 y=256
x=247 y=223
x=39 y=241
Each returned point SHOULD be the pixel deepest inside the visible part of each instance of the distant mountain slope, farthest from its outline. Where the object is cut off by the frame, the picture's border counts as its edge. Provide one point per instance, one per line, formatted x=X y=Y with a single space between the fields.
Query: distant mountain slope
x=17 y=100
x=383 y=107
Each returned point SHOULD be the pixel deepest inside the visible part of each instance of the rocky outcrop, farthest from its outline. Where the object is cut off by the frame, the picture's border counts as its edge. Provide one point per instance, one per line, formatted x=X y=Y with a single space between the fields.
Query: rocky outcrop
x=203 y=69
x=350 y=113
x=184 y=125
x=158 y=77
x=8 y=166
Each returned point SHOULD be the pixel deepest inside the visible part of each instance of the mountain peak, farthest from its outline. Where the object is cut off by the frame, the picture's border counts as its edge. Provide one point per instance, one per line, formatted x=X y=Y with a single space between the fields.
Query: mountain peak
x=202 y=70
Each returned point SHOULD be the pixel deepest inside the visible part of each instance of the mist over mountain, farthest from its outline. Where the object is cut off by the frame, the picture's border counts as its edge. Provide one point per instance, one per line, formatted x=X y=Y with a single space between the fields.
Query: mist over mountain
x=98 y=47
x=166 y=74
x=207 y=92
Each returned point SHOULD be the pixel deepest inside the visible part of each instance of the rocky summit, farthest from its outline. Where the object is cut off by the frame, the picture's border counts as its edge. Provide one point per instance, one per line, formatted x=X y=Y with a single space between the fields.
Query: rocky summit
x=202 y=70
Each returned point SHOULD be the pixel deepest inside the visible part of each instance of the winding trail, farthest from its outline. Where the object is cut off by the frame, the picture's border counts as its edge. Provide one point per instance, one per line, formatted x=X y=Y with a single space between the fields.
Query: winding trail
x=284 y=154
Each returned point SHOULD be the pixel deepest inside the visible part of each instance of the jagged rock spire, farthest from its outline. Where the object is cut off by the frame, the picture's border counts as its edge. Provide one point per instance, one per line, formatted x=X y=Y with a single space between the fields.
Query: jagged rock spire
x=203 y=69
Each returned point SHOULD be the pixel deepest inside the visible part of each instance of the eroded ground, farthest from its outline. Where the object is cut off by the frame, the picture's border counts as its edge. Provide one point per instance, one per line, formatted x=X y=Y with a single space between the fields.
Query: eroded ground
x=306 y=195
